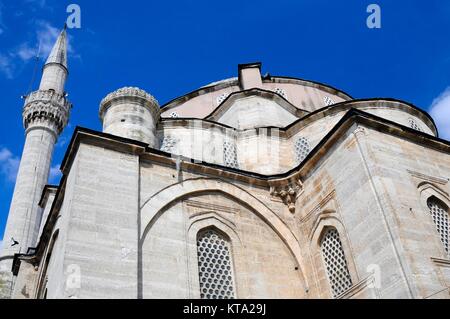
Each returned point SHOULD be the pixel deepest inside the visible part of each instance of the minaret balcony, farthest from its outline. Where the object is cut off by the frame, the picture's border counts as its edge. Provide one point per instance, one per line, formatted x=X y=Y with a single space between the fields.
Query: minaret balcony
x=48 y=108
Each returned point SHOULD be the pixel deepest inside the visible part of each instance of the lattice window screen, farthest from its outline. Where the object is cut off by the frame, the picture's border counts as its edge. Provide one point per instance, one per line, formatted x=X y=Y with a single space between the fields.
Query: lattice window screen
x=230 y=155
x=335 y=262
x=302 y=149
x=168 y=144
x=328 y=101
x=222 y=98
x=281 y=92
x=413 y=124
x=215 y=266
x=440 y=216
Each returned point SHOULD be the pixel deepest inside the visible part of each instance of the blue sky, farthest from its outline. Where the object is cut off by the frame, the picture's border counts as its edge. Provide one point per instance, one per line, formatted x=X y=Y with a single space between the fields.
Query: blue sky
x=170 y=48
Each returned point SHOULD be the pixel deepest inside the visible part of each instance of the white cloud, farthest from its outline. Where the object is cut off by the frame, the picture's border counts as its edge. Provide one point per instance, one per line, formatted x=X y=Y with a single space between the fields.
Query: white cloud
x=46 y=36
x=7 y=66
x=25 y=52
x=2 y=26
x=55 y=174
x=9 y=165
x=40 y=3
x=440 y=111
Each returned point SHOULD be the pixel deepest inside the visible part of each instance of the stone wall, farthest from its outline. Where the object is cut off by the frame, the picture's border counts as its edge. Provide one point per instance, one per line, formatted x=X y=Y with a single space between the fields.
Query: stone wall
x=130 y=224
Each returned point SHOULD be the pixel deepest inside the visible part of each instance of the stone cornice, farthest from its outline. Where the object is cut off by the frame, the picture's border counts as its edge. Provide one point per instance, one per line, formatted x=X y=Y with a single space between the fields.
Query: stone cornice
x=428 y=178
x=441 y=262
x=344 y=124
x=130 y=94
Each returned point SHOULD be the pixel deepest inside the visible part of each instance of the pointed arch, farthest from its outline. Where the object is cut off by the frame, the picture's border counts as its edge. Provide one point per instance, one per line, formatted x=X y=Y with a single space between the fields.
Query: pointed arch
x=435 y=203
x=157 y=203
x=326 y=221
x=41 y=292
x=439 y=212
x=202 y=223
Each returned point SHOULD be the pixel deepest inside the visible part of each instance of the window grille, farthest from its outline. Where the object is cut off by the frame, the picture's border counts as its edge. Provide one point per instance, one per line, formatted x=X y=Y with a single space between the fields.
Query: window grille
x=302 y=149
x=439 y=213
x=281 y=92
x=215 y=266
x=335 y=262
x=230 y=155
x=328 y=101
x=413 y=124
x=222 y=98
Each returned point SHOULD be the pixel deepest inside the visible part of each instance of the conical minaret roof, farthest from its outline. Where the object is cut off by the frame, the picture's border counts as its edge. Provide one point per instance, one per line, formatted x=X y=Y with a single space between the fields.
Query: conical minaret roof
x=59 y=52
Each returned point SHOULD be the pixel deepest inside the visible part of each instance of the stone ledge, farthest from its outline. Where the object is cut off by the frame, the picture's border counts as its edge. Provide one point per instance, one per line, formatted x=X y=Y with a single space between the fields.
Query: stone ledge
x=441 y=262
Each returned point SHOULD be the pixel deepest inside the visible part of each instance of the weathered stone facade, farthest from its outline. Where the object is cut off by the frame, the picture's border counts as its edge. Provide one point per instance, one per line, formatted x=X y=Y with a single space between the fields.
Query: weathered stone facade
x=312 y=194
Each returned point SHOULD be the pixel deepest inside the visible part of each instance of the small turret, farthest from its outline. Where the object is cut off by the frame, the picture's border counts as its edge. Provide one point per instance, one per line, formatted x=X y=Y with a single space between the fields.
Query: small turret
x=131 y=113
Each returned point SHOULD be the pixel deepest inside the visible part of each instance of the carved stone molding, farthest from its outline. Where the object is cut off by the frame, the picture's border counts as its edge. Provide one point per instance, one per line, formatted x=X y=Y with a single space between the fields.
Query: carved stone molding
x=328 y=203
x=441 y=262
x=428 y=178
x=211 y=206
x=46 y=108
x=130 y=95
x=288 y=191
x=360 y=130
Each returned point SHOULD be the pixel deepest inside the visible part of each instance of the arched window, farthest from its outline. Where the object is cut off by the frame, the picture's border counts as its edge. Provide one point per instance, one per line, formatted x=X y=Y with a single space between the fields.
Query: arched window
x=42 y=288
x=215 y=266
x=440 y=215
x=328 y=101
x=230 y=155
x=413 y=124
x=302 y=149
x=335 y=263
x=281 y=92
x=221 y=98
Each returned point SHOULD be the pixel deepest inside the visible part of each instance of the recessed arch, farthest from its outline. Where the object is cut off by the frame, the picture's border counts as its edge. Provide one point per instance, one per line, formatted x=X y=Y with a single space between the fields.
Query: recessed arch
x=325 y=221
x=41 y=291
x=439 y=212
x=211 y=222
x=428 y=189
x=158 y=202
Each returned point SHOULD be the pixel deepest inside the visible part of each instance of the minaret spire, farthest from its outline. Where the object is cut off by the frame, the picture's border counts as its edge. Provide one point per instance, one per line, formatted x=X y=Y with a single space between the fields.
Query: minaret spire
x=58 y=54
x=45 y=115
x=55 y=69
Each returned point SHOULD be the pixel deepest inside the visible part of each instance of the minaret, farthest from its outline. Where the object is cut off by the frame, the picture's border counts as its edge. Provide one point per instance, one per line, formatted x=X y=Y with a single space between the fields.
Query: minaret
x=45 y=115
